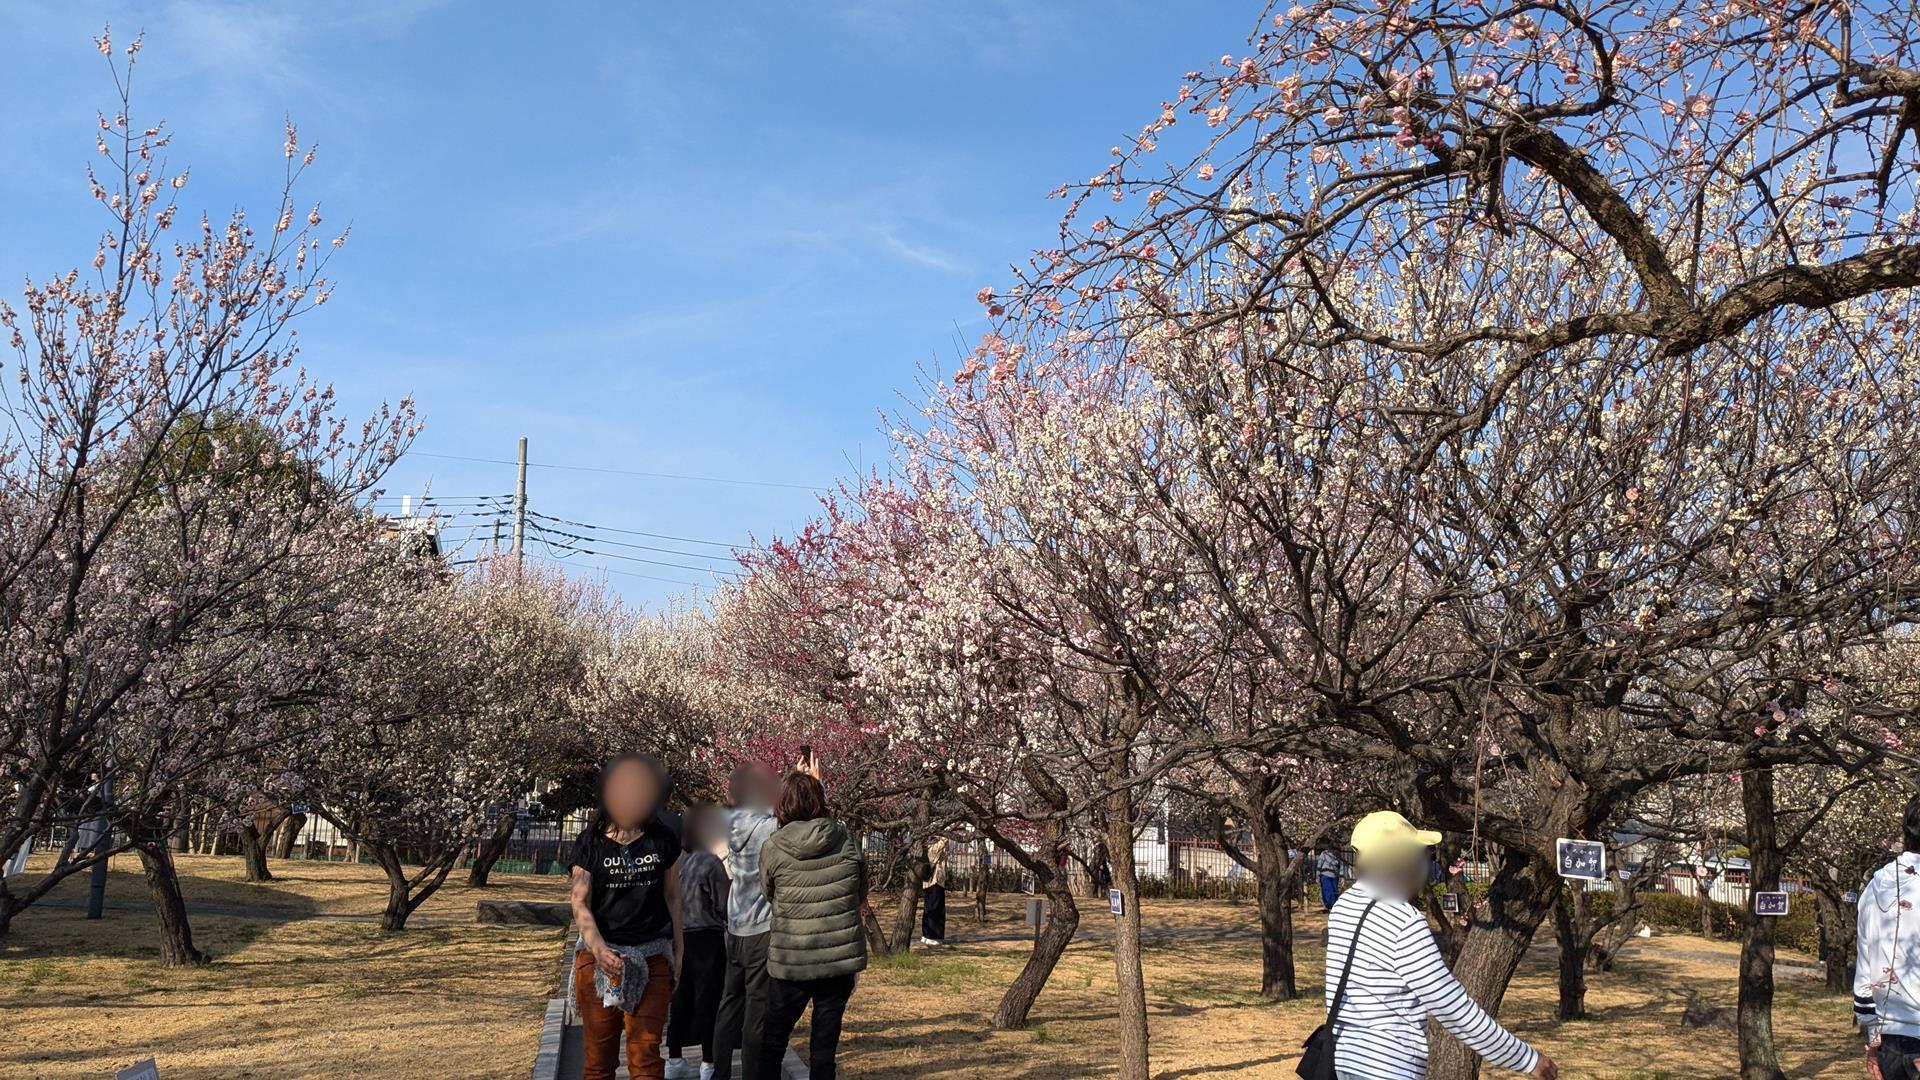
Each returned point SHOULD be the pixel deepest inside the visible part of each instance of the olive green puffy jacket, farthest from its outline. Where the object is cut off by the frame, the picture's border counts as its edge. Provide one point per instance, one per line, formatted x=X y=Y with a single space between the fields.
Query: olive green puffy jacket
x=811 y=872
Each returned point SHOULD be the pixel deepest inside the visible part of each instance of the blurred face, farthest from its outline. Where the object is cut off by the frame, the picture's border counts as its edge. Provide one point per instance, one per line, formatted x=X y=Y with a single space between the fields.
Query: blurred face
x=1398 y=875
x=632 y=794
x=764 y=787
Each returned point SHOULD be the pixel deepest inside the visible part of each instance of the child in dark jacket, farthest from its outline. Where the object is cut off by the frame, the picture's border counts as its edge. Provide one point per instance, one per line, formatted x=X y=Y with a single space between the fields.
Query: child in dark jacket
x=703 y=892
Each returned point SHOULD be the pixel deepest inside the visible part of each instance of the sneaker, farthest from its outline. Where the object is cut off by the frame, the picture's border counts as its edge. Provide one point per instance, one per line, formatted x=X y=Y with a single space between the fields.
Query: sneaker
x=706 y=1070
x=680 y=1069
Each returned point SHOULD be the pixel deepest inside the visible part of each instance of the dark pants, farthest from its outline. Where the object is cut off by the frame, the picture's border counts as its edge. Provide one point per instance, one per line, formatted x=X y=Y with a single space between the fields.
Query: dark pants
x=1896 y=1057
x=933 y=913
x=1329 y=890
x=743 y=1007
x=696 y=999
x=785 y=1002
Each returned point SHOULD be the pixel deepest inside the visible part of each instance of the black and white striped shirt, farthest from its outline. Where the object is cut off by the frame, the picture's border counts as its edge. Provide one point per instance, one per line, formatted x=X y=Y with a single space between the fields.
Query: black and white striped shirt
x=1398 y=978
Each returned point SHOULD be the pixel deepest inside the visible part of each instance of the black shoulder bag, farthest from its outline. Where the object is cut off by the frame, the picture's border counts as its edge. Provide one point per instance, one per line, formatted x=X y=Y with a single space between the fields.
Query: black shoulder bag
x=1317 y=1062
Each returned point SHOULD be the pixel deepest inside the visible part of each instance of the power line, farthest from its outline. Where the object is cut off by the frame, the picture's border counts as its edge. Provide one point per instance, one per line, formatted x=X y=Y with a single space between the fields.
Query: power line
x=610 y=570
x=640 y=547
x=624 y=472
x=652 y=535
x=546 y=537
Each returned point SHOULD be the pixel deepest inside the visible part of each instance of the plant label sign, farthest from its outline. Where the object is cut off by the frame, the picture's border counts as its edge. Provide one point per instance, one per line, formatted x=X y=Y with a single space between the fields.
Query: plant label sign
x=1770 y=903
x=1026 y=884
x=1114 y=902
x=1581 y=860
x=139 y=1070
x=1450 y=903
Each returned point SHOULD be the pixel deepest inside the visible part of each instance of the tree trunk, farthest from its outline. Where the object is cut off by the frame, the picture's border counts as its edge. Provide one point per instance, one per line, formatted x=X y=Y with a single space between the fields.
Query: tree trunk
x=1274 y=873
x=491 y=850
x=1131 y=1054
x=405 y=895
x=1519 y=899
x=907 y=910
x=1569 y=930
x=169 y=907
x=1757 y=1058
x=287 y=835
x=1056 y=931
x=1837 y=937
x=253 y=851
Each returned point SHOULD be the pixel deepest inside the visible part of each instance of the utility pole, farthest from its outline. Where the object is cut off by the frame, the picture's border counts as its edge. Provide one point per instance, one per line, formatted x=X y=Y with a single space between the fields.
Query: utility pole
x=520 y=512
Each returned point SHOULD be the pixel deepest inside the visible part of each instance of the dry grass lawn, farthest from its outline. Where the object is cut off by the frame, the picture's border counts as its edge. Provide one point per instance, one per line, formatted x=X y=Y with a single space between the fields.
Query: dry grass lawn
x=302 y=997
x=305 y=997
x=921 y=1016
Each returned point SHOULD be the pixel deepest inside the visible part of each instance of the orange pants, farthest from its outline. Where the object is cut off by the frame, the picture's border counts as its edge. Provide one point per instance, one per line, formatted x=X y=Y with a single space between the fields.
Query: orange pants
x=601 y=1024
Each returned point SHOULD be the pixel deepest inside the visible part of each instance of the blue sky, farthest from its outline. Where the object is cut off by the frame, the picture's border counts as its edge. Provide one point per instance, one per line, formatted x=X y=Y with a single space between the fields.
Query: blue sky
x=700 y=239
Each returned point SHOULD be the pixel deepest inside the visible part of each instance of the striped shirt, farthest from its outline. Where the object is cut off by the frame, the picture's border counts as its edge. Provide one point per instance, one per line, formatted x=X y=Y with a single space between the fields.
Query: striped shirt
x=1886 y=970
x=1398 y=979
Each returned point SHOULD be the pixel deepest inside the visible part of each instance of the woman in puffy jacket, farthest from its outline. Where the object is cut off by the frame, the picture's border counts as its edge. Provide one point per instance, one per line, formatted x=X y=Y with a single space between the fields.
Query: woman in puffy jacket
x=811 y=872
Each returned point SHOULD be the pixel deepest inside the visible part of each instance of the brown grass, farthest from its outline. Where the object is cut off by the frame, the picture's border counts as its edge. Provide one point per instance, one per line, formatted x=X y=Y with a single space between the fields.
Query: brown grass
x=297 y=998
x=322 y=997
x=921 y=1016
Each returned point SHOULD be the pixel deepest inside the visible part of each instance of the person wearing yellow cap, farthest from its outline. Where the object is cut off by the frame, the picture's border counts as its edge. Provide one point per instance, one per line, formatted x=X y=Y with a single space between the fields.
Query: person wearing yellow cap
x=1391 y=976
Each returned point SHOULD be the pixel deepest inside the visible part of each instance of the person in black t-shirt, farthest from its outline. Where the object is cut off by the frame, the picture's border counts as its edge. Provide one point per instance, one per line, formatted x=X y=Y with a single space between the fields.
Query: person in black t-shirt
x=626 y=903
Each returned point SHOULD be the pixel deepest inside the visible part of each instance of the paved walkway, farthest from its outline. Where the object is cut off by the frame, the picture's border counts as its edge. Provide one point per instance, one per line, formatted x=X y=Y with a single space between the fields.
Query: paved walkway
x=571 y=1061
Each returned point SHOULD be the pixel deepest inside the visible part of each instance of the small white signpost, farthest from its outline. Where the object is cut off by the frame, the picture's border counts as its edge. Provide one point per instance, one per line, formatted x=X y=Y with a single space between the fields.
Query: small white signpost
x=1450 y=903
x=139 y=1070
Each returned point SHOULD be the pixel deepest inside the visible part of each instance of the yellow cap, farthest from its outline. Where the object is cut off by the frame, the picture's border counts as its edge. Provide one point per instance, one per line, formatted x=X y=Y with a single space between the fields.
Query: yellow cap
x=1385 y=833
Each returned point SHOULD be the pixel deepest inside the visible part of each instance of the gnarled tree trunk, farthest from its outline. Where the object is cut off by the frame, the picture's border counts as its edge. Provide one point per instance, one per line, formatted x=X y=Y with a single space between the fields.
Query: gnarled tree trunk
x=1062 y=917
x=253 y=853
x=1757 y=1058
x=1131 y=984
x=287 y=835
x=490 y=851
x=1518 y=900
x=1275 y=873
x=1573 y=932
x=169 y=907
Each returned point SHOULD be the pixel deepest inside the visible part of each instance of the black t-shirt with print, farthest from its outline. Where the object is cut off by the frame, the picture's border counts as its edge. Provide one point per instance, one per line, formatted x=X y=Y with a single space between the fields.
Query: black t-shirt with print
x=629 y=898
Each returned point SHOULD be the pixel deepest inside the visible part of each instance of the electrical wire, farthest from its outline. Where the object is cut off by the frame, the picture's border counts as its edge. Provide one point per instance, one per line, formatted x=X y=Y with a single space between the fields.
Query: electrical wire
x=650 y=535
x=547 y=538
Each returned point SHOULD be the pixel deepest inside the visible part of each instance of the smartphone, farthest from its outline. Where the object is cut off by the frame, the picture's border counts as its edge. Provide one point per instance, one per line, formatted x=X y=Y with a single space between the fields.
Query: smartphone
x=806 y=754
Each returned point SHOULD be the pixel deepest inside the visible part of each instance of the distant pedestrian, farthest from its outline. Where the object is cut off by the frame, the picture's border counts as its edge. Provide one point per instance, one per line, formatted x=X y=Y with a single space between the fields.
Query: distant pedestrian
x=1381 y=953
x=741 y=1022
x=1329 y=864
x=1886 y=970
x=703 y=975
x=933 y=895
x=813 y=874
x=626 y=903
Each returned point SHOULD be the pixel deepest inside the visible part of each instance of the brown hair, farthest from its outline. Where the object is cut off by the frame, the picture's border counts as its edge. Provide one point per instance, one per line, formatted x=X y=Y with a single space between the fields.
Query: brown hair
x=801 y=799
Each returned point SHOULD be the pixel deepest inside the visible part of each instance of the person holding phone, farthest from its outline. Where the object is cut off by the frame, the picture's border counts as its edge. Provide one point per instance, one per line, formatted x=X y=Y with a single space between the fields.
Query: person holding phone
x=626 y=904
x=741 y=1022
x=813 y=876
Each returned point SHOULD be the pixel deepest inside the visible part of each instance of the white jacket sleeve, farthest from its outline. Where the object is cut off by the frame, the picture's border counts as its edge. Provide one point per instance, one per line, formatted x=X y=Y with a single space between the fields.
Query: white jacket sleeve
x=1869 y=965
